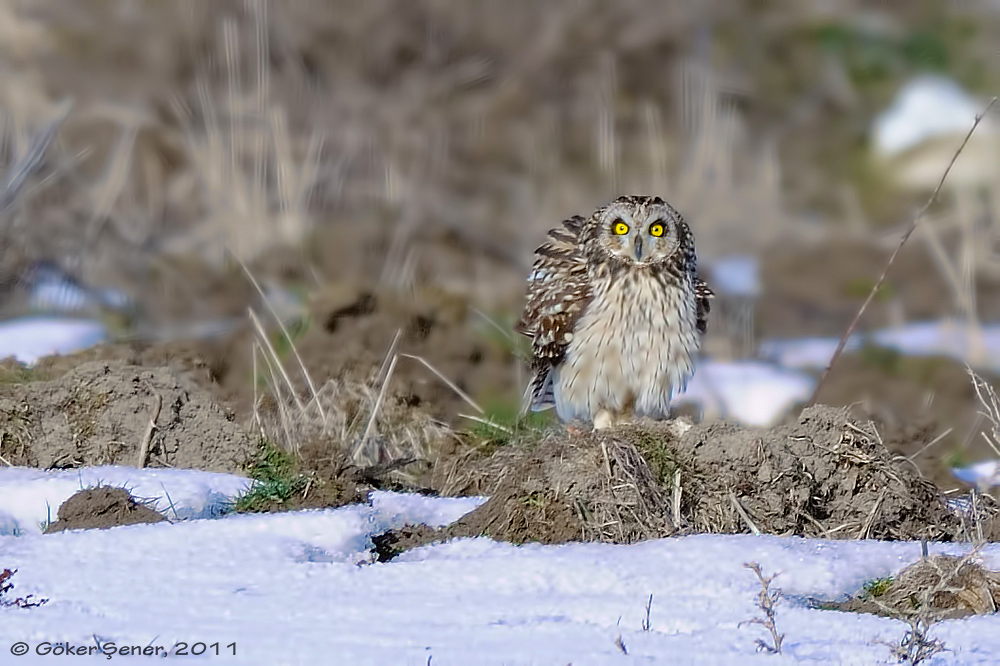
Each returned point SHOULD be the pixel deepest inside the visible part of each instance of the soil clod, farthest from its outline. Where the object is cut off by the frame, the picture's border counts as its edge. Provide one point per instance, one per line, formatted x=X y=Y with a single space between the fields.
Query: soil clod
x=101 y=508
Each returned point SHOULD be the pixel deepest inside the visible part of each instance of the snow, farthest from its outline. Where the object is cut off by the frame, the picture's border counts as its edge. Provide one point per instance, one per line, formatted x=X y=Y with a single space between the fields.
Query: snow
x=29 y=338
x=736 y=275
x=31 y=497
x=983 y=475
x=980 y=347
x=754 y=393
x=926 y=107
x=297 y=588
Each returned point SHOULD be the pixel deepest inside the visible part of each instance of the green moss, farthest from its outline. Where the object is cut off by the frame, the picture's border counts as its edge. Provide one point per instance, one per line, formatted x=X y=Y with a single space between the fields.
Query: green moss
x=536 y=499
x=874 y=589
x=659 y=456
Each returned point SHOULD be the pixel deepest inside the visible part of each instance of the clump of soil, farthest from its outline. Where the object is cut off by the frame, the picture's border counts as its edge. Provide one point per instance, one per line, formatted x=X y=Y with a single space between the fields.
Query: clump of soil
x=914 y=400
x=579 y=487
x=820 y=476
x=100 y=508
x=941 y=587
x=319 y=475
x=98 y=414
x=318 y=478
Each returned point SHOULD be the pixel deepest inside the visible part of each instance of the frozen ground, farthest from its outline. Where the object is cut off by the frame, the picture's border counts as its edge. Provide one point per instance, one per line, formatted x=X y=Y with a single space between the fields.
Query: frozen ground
x=297 y=589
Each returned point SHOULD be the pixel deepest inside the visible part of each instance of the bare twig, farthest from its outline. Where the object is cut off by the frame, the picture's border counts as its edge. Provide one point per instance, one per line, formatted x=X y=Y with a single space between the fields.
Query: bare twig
x=620 y=644
x=678 y=491
x=878 y=284
x=147 y=437
x=646 y=624
x=930 y=444
x=766 y=601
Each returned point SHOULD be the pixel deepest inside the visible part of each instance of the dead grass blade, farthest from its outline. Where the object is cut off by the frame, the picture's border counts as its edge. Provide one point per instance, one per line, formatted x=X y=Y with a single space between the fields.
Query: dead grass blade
x=363 y=443
x=284 y=331
x=272 y=355
x=462 y=394
x=21 y=170
x=991 y=404
x=487 y=422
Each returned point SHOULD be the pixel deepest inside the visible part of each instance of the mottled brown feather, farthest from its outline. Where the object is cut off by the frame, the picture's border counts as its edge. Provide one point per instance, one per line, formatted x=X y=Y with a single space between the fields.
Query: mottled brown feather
x=558 y=292
x=704 y=296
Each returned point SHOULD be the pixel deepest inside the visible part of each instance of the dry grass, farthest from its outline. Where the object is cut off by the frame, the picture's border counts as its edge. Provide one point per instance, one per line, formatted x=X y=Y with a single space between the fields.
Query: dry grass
x=251 y=178
x=364 y=418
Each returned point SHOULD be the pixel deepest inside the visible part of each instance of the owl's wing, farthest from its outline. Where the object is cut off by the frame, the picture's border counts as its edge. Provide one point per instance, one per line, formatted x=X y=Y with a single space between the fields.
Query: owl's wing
x=558 y=293
x=703 y=297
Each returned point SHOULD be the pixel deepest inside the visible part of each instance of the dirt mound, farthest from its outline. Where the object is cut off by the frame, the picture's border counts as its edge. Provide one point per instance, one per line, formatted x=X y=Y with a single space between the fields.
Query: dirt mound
x=100 y=508
x=941 y=587
x=98 y=414
x=821 y=476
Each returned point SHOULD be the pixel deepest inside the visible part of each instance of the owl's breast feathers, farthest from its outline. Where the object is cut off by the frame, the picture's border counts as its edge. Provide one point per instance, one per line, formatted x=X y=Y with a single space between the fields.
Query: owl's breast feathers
x=559 y=292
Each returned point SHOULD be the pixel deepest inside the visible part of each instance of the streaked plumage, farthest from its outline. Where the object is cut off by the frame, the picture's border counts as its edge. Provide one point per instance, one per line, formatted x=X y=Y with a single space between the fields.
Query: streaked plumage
x=615 y=312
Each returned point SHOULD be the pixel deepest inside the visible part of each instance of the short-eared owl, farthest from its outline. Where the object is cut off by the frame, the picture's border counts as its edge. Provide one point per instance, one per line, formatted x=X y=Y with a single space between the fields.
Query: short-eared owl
x=615 y=313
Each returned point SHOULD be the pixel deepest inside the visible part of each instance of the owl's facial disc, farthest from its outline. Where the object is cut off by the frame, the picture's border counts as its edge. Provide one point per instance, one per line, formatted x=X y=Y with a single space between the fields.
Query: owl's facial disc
x=622 y=234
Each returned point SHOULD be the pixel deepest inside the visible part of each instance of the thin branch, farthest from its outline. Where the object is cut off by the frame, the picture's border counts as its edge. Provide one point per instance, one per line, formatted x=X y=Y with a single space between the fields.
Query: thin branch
x=878 y=284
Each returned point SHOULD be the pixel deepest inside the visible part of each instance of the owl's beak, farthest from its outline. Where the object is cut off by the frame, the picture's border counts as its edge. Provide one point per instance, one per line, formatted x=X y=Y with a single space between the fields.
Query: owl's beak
x=638 y=250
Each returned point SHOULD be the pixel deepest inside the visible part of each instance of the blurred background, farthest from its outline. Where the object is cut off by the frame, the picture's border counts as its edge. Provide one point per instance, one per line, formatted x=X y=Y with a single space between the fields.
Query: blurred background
x=225 y=186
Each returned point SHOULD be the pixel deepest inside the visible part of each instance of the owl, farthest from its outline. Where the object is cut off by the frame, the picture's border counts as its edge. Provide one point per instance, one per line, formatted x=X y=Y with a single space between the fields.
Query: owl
x=615 y=313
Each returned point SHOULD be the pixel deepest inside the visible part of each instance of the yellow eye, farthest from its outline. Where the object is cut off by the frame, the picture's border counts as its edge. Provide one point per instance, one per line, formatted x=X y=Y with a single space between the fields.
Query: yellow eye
x=656 y=229
x=621 y=228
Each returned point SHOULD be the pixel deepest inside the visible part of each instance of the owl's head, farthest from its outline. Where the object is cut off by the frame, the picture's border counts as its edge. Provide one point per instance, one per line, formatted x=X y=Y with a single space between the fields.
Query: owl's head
x=641 y=230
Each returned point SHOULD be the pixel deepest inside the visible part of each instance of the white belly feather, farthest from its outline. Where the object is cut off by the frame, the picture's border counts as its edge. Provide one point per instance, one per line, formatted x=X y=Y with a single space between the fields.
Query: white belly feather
x=631 y=352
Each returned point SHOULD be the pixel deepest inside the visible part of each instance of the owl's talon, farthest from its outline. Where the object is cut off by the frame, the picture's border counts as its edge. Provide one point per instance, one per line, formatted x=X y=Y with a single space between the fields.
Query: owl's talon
x=603 y=420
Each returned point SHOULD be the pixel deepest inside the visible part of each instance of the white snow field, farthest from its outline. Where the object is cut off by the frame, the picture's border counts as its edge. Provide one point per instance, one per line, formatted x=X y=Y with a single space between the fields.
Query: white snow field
x=29 y=338
x=754 y=393
x=297 y=588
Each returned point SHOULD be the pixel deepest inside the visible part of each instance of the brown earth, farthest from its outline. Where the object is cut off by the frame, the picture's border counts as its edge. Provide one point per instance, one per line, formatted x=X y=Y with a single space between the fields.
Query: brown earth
x=915 y=401
x=98 y=414
x=100 y=508
x=815 y=289
x=349 y=333
x=821 y=476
